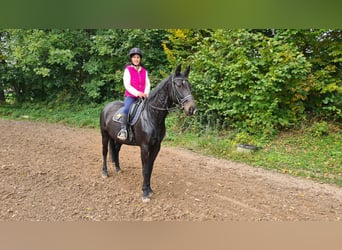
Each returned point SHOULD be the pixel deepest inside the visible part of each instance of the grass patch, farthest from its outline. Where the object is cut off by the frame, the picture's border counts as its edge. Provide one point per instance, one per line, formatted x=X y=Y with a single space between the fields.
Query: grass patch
x=313 y=152
x=307 y=152
x=68 y=114
x=299 y=153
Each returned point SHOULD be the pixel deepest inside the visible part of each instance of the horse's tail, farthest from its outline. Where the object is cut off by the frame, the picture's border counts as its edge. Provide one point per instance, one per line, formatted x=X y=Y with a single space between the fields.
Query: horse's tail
x=102 y=121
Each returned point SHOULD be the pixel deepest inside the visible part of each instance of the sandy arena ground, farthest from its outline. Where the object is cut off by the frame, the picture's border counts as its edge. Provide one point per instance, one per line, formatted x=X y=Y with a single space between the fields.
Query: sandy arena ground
x=53 y=173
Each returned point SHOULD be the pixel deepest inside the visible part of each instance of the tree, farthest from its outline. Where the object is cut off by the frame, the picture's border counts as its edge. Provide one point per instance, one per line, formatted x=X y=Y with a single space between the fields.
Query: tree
x=3 y=65
x=78 y=65
x=109 y=54
x=249 y=79
x=255 y=80
x=181 y=44
x=323 y=49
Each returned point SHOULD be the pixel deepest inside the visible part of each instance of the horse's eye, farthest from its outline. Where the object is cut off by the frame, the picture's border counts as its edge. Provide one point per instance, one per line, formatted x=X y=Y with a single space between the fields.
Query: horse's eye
x=183 y=82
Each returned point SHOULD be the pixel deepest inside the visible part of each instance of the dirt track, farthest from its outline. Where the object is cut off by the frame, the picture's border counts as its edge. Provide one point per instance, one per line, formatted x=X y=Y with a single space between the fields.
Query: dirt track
x=53 y=173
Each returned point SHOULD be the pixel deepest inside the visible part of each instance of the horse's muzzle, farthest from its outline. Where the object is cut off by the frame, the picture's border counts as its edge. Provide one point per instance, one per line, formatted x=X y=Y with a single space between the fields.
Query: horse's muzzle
x=189 y=107
x=192 y=111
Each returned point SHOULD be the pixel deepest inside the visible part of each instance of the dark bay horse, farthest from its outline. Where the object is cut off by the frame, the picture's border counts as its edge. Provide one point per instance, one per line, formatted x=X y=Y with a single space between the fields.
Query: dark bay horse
x=149 y=130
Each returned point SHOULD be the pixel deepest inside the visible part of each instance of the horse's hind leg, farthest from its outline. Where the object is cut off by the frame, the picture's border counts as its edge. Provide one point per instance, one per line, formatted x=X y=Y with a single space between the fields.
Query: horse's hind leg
x=115 y=149
x=105 y=138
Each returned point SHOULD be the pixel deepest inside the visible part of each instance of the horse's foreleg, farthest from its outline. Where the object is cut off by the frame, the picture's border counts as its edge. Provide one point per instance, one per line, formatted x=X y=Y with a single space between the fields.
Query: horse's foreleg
x=105 y=138
x=148 y=156
x=115 y=148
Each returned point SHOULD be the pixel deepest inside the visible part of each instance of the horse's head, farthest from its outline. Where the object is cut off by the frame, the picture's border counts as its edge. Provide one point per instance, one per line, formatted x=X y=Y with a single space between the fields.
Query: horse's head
x=182 y=90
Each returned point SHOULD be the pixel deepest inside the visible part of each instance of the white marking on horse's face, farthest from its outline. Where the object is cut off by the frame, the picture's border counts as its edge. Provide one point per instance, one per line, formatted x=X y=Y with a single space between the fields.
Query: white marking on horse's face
x=189 y=107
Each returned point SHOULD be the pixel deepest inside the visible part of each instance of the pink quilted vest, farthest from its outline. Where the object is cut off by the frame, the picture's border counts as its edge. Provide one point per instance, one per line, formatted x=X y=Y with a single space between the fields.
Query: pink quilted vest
x=138 y=79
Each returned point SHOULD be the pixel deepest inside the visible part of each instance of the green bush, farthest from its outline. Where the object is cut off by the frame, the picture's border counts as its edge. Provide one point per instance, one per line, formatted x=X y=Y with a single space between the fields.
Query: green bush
x=261 y=81
x=319 y=128
x=257 y=85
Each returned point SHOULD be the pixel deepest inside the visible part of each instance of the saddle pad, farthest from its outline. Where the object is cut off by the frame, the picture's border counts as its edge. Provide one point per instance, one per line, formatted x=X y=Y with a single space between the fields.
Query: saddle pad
x=118 y=114
x=133 y=115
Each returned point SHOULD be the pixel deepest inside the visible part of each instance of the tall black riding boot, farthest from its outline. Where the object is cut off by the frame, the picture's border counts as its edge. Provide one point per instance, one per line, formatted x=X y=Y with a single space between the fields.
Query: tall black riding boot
x=122 y=135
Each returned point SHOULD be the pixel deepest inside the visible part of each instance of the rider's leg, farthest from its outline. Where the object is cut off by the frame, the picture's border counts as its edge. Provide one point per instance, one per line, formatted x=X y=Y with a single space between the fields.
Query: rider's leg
x=122 y=135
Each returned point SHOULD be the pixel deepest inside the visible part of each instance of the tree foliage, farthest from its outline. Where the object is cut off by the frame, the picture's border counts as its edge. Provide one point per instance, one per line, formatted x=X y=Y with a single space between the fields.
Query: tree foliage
x=253 y=80
x=264 y=80
x=76 y=65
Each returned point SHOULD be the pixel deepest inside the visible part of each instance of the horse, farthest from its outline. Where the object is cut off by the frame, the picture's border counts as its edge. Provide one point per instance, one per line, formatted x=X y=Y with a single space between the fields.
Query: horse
x=149 y=130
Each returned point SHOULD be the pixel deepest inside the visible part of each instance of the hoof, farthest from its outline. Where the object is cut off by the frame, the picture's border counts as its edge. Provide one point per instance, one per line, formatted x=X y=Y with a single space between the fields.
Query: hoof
x=150 y=194
x=118 y=170
x=104 y=174
x=145 y=199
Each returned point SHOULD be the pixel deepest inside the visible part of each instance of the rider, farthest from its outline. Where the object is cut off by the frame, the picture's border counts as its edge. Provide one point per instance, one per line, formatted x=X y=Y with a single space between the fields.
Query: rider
x=137 y=85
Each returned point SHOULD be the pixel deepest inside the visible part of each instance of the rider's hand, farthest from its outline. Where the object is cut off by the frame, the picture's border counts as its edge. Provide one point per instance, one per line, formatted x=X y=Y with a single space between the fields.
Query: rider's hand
x=142 y=95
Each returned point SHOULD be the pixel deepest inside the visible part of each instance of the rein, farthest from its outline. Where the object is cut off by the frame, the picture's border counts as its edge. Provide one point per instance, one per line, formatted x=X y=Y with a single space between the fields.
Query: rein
x=181 y=100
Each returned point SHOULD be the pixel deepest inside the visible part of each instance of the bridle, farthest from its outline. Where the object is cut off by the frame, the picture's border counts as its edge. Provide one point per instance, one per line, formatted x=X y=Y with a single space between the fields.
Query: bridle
x=181 y=100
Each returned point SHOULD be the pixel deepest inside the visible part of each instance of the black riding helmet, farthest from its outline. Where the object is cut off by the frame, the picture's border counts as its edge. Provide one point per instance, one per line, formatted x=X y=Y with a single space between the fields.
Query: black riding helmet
x=135 y=51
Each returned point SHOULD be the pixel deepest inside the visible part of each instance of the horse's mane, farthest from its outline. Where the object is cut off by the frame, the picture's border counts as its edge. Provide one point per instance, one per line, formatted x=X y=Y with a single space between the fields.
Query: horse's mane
x=158 y=88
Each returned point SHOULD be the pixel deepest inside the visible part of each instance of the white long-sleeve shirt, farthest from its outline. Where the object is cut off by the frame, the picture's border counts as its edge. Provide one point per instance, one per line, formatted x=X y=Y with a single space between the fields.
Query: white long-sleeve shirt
x=130 y=88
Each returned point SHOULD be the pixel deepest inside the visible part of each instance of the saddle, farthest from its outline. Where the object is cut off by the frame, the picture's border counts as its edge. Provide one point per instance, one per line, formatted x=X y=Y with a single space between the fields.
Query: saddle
x=133 y=114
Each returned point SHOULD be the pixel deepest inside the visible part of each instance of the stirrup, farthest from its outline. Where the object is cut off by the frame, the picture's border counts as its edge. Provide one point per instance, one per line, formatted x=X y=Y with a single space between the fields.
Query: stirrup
x=122 y=135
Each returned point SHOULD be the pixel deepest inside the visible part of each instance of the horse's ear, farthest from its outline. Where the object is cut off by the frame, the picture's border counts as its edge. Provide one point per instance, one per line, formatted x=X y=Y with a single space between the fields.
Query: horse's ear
x=187 y=71
x=178 y=69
